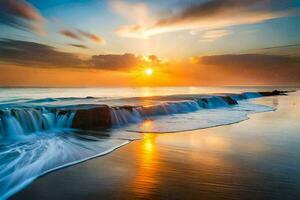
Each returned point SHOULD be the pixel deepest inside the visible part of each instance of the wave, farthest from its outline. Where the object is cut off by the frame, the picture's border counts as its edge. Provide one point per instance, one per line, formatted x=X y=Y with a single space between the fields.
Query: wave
x=203 y=118
x=47 y=100
x=45 y=153
x=127 y=114
x=16 y=123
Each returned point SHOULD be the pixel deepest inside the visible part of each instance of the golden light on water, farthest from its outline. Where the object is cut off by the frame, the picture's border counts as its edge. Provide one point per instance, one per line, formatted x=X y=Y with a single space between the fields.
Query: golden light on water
x=147 y=173
x=147 y=126
x=148 y=144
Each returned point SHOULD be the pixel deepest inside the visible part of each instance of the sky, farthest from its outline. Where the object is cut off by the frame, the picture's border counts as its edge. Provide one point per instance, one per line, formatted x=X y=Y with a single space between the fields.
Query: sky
x=115 y=43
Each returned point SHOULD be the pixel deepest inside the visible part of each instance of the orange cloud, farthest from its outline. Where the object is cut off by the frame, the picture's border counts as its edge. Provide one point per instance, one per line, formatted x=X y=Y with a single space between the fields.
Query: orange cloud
x=32 y=54
x=114 y=61
x=243 y=69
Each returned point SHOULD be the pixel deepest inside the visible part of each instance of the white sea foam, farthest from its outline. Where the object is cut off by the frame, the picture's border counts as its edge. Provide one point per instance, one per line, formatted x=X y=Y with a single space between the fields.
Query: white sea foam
x=23 y=162
x=200 y=119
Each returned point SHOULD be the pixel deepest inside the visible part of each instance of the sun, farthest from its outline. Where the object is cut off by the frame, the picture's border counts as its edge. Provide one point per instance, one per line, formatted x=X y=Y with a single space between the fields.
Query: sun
x=149 y=71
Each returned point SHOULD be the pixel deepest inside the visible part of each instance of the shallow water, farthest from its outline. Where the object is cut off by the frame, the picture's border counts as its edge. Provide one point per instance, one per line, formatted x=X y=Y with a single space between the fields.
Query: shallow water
x=35 y=141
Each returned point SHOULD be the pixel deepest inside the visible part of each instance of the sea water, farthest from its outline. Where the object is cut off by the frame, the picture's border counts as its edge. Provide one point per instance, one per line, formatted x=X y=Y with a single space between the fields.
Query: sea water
x=34 y=140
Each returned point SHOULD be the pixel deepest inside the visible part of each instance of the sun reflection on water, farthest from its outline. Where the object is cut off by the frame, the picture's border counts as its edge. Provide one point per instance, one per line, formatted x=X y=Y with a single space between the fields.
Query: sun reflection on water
x=148 y=146
x=146 y=179
x=147 y=126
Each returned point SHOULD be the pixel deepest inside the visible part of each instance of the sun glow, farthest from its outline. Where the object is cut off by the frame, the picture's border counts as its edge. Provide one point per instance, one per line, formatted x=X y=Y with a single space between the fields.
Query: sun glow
x=149 y=71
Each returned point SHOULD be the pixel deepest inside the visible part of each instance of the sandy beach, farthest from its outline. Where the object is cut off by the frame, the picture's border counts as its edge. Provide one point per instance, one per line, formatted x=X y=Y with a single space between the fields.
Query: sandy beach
x=255 y=159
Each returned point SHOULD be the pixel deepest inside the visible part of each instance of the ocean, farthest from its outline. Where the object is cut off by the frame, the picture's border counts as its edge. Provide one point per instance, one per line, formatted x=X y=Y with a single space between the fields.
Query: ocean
x=44 y=129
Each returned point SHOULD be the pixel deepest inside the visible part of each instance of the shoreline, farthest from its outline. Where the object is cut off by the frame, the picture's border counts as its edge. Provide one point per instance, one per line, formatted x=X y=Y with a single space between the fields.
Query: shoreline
x=31 y=180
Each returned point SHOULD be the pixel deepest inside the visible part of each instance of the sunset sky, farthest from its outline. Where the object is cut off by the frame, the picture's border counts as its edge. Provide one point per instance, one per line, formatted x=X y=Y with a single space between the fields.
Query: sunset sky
x=86 y=43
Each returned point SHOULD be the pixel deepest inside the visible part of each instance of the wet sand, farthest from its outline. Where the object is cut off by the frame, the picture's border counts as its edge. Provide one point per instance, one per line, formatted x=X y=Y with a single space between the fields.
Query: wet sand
x=255 y=159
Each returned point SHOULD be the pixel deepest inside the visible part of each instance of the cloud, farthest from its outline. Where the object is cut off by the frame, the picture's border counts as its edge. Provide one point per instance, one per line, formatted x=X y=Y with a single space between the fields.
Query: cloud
x=207 y=9
x=115 y=61
x=31 y=54
x=79 y=46
x=138 y=12
x=124 y=62
x=79 y=34
x=92 y=37
x=280 y=47
x=132 y=11
x=133 y=31
x=20 y=14
x=70 y=34
x=249 y=60
x=153 y=59
x=211 y=36
x=249 y=69
x=208 y=15
x=229 y=69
